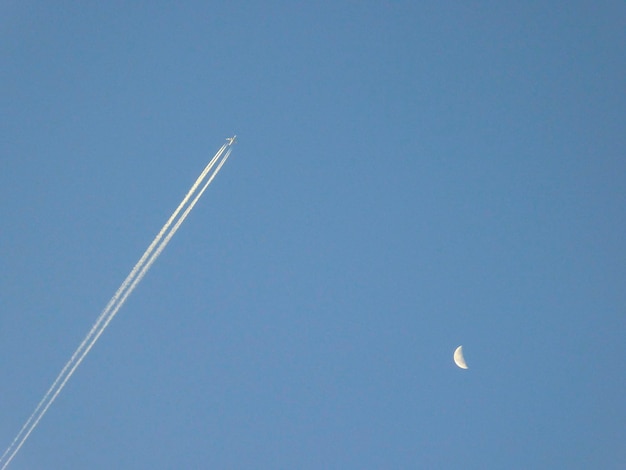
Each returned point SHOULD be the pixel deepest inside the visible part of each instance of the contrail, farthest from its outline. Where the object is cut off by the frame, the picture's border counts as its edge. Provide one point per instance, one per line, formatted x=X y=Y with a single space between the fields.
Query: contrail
x=117 y=295
x=117 y=301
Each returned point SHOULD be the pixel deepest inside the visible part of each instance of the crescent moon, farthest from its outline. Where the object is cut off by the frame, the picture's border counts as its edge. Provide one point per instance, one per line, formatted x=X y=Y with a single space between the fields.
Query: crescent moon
x=459 y=360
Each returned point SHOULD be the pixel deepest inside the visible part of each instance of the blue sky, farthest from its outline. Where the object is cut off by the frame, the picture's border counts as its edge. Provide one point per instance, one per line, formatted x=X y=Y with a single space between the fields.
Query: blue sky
x=408 y=177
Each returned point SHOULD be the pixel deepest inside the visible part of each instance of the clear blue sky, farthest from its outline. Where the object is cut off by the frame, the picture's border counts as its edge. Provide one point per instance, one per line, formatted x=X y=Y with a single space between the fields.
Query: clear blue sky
x=409 y=177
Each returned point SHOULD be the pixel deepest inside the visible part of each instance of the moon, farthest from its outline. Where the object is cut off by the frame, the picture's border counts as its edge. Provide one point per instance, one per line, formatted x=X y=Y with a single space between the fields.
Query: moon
x=459 y=360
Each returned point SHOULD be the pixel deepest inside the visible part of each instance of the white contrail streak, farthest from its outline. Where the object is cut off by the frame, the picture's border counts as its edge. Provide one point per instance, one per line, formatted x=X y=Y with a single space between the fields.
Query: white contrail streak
x=117 y=301
x=117 y=295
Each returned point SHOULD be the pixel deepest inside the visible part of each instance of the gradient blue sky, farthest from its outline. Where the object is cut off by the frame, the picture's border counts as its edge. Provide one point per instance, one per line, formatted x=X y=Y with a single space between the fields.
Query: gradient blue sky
x=409 y=176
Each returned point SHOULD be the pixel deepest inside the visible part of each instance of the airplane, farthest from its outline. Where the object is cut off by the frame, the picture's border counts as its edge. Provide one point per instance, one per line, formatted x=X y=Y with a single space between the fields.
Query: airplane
x=231 y=140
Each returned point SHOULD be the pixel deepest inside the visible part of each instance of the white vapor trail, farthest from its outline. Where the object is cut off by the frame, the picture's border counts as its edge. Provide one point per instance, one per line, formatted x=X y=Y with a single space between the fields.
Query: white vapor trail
x=117 y=301
x=114 y=299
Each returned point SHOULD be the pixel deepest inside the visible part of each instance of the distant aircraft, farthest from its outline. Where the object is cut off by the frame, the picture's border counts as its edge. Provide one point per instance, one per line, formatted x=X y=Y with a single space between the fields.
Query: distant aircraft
x=231 y=140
